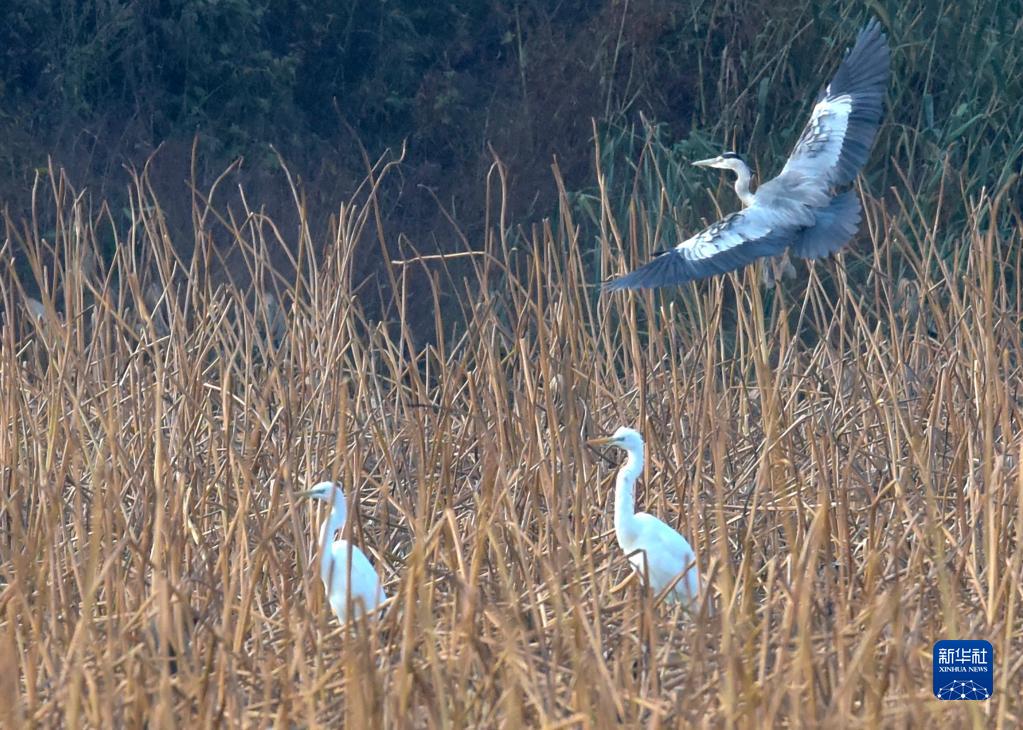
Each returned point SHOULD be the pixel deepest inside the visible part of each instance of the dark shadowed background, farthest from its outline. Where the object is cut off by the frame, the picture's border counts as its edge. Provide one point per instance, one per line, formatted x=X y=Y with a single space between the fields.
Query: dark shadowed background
x=102 y=87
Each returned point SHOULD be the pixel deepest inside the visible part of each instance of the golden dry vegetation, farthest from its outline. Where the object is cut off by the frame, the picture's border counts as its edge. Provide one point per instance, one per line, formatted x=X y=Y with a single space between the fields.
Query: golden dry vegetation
x=843 y=455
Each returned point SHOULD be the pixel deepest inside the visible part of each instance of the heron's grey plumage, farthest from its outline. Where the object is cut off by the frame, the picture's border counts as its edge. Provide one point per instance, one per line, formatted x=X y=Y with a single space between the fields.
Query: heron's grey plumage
x=836 y=142
x=800 y=209
x=834 y=226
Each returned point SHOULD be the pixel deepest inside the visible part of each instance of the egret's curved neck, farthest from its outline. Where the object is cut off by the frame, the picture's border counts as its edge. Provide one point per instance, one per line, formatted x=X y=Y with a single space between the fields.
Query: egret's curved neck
x=742 y=181
x=334 y=522
x=625 y=497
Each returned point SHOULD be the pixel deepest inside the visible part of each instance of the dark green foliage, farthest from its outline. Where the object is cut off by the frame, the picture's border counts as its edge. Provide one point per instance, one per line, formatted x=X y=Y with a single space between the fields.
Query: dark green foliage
x=243 y=71
x=98 y=83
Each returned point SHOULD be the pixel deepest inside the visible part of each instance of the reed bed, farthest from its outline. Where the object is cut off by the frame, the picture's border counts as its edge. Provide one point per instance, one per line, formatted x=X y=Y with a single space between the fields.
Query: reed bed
x=844 y=457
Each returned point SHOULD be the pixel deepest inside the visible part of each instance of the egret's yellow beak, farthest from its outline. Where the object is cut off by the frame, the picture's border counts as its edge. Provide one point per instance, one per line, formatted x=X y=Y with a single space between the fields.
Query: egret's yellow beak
x=709 y=162
x=307 y=493
x=605 y=441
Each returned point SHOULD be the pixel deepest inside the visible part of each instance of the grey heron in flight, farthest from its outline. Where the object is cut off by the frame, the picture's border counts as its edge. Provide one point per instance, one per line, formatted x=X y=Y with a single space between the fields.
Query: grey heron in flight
x=804 y=209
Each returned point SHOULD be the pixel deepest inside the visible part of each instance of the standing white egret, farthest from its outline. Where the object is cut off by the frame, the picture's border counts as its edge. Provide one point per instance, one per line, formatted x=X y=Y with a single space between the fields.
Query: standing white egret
x=804 y=209
x=338 y=575
x=667 y=553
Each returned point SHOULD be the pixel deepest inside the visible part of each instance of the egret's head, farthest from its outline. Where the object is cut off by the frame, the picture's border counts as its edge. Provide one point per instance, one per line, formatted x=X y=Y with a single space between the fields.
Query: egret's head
x=724 y=161
x=624 y=438
x=329 y=492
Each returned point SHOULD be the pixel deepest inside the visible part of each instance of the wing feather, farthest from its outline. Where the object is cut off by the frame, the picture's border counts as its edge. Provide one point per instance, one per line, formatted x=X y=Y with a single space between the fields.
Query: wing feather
x=835 y=225
x=836 y=141
x=669 y=554
x=726 y=245
x=366 y=591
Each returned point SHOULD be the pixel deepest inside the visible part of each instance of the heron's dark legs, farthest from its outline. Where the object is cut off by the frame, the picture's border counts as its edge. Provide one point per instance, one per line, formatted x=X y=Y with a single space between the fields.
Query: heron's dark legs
x=777 y=268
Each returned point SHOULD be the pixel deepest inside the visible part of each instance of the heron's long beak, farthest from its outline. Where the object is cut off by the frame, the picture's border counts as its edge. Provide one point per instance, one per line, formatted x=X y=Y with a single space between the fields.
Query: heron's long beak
x=307 y=493
x=600 y=442
x=709 y=162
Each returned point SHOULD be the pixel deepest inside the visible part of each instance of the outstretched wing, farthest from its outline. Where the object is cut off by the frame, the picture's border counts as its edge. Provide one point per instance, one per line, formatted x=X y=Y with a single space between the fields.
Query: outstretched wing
x=836 y=141
x=829 y=154
x=727 y=245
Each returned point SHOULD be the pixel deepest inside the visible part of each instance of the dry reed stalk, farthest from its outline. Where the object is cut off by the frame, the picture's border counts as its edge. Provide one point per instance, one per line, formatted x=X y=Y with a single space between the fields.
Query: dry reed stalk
x=845 y=463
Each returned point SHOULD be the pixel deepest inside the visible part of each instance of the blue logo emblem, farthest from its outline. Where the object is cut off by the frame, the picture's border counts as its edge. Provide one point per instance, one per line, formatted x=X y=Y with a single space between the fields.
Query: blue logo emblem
x=964 y=670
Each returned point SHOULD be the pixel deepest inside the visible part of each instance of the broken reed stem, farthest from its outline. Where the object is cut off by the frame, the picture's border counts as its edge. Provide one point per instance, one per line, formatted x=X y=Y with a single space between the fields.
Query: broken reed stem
x=844 y=459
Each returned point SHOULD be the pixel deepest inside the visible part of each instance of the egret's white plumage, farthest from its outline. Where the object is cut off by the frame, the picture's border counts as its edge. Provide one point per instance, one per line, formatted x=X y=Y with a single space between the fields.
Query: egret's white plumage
x=335 y=571
x=642 y=536
x=802 y=209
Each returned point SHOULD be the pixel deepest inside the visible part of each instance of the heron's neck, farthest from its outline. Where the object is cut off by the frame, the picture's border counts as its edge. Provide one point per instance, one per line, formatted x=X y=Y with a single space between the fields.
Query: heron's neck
x=742 y=181
x=334 y=522
x=625 y=497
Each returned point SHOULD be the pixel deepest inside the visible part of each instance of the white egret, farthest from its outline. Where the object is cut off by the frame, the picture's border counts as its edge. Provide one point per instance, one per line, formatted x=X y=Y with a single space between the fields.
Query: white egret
x=339 y=576
x=668 y=555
